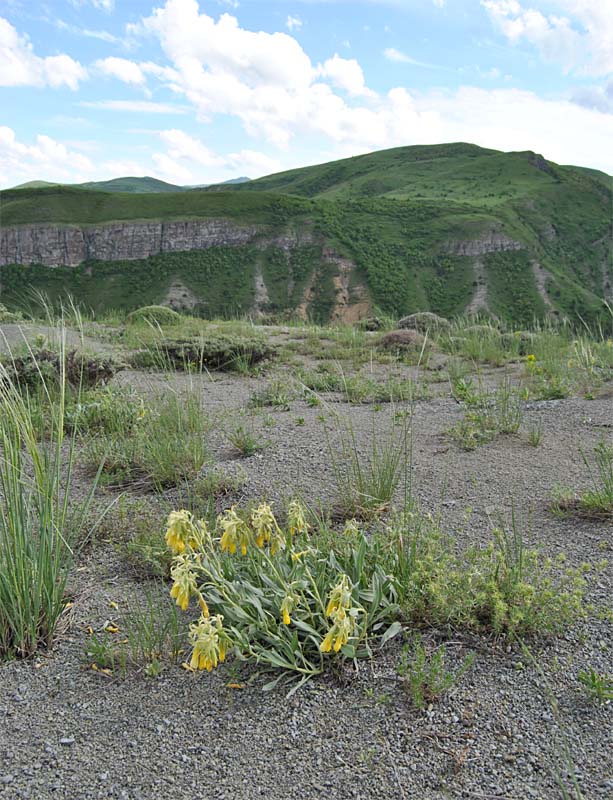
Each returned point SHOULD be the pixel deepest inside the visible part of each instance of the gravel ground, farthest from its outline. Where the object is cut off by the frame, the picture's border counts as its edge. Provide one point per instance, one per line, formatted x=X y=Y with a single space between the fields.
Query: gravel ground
x=510 y=729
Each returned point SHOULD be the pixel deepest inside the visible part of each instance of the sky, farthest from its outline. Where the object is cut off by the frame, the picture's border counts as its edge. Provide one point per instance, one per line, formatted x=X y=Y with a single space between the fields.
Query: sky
x=201 y=91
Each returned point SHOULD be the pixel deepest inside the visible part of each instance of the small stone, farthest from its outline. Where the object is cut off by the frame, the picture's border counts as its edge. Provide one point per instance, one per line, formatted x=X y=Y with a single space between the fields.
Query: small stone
x=6 y=779
x=67 y=741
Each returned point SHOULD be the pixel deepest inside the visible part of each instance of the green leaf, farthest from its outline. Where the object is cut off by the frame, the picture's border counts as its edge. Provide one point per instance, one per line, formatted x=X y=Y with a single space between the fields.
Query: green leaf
x=394 y=629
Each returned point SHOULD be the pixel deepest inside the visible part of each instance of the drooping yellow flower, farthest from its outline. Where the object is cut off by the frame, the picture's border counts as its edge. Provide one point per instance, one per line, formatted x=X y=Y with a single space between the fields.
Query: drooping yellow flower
x=531 y=358
x=339 y=634
x=287 y=606
x=236 y=532
x=184 y=578
x=177 y=530
x=183 y=532
x=343 y=615
x=339 y=599
x=209 y=642
x=264 y=524
x=296 y=519
x=326 y=644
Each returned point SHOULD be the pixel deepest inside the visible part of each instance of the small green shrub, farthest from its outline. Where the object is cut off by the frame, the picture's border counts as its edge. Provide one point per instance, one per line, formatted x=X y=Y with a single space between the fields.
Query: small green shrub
x=166 y=447
x=598 y=685
x=277 y=393
x=424 y=673
x=487 y=415
x=9 y=316
x=244 y=440
x=366 y=484
x=596 y=503
x=217 y=352
x=154 y=315
x=148 y=636
x=49 y=367
x=503 y=587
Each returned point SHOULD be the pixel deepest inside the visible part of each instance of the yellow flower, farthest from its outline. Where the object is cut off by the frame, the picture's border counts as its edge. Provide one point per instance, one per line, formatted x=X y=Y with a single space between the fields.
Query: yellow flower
x=339 y=634
x=296 y=518
x=203 y=605
x=209 y=642
x=343 y=615
x=264 y=524
x=326 y=644
x=184 y=581
x=287 y=606
x=339 y=599
x=531 y=358
x=183 y=532
x=236 y=532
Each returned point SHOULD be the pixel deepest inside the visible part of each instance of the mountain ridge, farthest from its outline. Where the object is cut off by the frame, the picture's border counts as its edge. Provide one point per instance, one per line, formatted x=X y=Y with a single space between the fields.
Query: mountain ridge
x=447 y=228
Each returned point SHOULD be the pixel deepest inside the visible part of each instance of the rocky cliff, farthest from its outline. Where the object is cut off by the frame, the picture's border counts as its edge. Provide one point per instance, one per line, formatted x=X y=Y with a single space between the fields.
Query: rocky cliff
x=54 y=245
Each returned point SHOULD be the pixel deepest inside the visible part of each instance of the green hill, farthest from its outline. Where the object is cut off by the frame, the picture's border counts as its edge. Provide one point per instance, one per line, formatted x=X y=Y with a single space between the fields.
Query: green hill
x=446 y=228
x=143 y=185
x=132 y=185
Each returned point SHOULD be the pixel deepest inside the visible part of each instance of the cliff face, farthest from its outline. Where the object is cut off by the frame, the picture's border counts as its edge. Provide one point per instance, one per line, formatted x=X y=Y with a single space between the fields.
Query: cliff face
x=488 y=242
x=54 y=246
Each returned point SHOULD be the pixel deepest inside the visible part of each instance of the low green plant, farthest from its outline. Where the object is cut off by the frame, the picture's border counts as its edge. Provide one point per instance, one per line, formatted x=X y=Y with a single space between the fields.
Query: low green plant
x=273 y=597
x=599 y=500
x=277 y=393
x=596 y=503
x=244 y=440
x=169 y=444
x=366 y=484
x=598 y=685
x=503 y=587
x=488 y=415
x=425 y=674
x=535 y=434
x=148 y=636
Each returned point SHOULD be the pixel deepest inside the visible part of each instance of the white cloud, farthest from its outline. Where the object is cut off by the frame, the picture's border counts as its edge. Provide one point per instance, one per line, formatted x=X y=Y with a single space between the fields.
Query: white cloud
x=182 y=146
x=582 y=41
x=346 y=74
x=20 y=66
x=401 y=58
x=189 y=160
x=46 y=159
x=121 y=68
x=293 y=23
x=134 y=106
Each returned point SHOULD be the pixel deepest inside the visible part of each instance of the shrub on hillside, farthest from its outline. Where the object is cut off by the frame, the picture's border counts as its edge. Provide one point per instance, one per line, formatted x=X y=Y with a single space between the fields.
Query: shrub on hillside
x=401 y=340
x=424 y=322
x=210 y=352
x=40 y=366
x=155 y=315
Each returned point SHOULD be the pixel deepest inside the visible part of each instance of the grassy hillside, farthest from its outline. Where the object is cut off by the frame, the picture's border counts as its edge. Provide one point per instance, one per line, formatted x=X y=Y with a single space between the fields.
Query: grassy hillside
x=132 y=185
x=402 y=216
x=143 y=185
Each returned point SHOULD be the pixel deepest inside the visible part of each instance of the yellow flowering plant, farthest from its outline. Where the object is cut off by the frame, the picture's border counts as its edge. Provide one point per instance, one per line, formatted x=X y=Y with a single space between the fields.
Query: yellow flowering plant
x=276 y=598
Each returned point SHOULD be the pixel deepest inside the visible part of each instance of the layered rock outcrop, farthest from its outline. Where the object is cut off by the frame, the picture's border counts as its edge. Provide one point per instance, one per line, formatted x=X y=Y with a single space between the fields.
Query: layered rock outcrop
x=70 y=245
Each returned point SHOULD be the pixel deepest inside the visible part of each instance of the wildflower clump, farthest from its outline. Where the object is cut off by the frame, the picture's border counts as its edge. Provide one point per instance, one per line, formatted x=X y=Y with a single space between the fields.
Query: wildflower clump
x=276 y=598
x=341 y=612
x=209 y=641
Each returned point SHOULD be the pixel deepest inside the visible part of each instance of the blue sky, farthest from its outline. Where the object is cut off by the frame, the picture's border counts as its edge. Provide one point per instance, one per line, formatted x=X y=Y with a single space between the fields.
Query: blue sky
x=195 y=92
